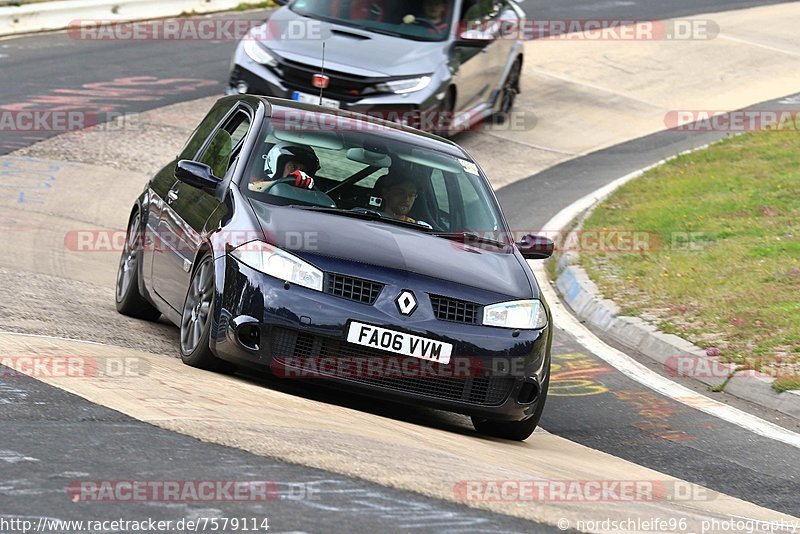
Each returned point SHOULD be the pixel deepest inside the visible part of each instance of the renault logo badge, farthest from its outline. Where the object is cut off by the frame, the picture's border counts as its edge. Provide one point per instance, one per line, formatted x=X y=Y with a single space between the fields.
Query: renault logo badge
x=406 y=302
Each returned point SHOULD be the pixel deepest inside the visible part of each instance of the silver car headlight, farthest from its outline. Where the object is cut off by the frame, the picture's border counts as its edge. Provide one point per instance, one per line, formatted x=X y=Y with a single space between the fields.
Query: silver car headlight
x=258 y=53
x=278 y=263
x=400 y=87
x=521 y=314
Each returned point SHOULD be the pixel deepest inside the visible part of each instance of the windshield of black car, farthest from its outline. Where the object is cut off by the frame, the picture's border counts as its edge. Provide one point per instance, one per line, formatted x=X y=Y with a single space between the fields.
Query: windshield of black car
x=419 y=20
x=322 y=160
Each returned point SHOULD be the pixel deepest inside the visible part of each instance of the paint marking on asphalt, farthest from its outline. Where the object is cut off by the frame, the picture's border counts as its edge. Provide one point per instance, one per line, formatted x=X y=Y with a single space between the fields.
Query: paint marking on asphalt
x=624 y=363
x=759 y=45
x=14 y=457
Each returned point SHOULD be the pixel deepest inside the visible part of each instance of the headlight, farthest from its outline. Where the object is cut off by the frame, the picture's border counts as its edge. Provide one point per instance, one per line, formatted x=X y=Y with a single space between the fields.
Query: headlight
x=258 y=53
x=522 y=314
x=279 y=263
x=400 y=87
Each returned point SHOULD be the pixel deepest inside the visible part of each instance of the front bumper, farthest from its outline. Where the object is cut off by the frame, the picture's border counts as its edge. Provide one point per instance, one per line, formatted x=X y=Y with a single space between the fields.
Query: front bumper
x=254 y=78
x=295 y=326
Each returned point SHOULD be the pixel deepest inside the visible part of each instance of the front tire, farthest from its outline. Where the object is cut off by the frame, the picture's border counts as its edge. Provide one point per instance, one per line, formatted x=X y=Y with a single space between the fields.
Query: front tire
x=129 y=300
x=197 y=319
x=508 y=95
x=514 y=430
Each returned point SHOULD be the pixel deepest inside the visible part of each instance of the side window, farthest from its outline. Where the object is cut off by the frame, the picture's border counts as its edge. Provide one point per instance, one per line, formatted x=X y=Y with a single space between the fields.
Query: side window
x=482 y=10
x=219 y=153
x=205 y=128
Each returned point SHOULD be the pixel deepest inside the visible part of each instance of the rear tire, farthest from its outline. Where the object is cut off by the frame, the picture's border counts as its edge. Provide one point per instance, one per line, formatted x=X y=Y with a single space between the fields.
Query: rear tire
x=129 y=300
x=514 y=430
x=197 y=318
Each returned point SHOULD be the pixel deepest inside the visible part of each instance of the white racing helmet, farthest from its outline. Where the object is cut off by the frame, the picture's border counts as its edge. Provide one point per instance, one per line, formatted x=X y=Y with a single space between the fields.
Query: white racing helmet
x=283 y=153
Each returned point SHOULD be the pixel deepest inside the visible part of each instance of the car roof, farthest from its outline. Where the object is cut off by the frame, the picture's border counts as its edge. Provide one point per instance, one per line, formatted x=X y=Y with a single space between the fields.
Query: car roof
x=424 y=138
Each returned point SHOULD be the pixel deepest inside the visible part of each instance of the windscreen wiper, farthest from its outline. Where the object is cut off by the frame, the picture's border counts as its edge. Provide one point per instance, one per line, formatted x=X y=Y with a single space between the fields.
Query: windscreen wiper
x=472 y=237
x=361 y=213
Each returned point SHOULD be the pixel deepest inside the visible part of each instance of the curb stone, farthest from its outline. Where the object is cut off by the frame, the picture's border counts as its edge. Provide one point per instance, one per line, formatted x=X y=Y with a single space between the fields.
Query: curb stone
x=582 y=296
x=57 y=15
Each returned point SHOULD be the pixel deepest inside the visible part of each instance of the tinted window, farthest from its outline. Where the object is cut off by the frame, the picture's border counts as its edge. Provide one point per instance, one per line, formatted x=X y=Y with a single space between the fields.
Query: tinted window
x=205 y=128
x=218 y=154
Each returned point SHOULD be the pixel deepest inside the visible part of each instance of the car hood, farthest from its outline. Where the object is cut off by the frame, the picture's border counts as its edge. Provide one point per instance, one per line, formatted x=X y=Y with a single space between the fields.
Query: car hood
x=347 y=49
x=312 y=235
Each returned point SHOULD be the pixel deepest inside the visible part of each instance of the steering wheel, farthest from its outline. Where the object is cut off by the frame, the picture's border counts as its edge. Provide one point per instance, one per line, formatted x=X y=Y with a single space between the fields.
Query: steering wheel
x=426 y=22
x=282 y=181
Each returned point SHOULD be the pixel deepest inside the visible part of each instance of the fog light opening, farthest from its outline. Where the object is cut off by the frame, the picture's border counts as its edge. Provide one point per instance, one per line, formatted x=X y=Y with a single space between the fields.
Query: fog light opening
x=249 y=336
x=242 y=87
x=528 y=393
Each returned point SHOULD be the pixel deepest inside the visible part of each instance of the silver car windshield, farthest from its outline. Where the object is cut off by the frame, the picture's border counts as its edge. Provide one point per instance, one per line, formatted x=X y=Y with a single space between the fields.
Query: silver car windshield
x=420 y=20
x=322 y=160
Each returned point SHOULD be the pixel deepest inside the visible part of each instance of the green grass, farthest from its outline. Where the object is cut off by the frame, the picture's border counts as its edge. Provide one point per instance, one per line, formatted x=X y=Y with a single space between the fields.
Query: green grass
x=786 y=384
x=247 y=6
x=736 y=285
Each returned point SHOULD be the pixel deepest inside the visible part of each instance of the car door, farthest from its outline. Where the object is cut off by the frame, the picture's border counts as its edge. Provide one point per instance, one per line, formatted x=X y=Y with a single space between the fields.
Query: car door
x=187 y=208
x=481 y=64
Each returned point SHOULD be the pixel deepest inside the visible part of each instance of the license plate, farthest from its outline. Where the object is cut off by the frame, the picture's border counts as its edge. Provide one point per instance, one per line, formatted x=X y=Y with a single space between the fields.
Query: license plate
x=306 y=98
x=399 y=343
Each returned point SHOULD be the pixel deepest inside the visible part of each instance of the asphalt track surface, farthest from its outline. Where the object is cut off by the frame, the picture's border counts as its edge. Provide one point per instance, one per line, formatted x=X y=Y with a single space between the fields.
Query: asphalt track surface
x=65 y=437
x=58 y=71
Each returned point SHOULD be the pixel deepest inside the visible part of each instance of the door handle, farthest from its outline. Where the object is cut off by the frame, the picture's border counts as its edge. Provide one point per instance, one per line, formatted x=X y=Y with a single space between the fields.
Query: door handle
x=172 y=196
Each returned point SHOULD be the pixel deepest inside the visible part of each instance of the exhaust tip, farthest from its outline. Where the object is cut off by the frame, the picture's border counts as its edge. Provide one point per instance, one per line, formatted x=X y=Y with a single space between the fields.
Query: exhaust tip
x=247 y=333
x=528 y=393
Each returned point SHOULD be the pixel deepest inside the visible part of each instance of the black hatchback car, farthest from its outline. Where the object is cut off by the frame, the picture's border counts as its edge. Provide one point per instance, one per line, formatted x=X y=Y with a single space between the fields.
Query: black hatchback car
x=438 y=65
x=333 y=246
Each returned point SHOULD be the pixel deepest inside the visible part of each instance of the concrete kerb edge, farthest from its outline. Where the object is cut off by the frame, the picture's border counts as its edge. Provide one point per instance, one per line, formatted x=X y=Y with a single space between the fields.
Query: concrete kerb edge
x=57 y=15
x=583 y=298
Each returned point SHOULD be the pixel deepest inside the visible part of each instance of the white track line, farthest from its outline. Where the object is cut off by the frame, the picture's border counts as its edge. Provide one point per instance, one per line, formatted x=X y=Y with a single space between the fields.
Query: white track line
x=624 y=363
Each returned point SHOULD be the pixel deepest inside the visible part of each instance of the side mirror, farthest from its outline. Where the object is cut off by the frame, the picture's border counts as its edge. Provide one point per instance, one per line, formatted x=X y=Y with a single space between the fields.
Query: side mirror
x=196 y=174
x=475 y=35
x=536 y=247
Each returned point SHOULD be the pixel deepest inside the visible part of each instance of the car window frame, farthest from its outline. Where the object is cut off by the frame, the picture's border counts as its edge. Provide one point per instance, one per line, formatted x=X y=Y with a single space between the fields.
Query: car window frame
x=238 y=107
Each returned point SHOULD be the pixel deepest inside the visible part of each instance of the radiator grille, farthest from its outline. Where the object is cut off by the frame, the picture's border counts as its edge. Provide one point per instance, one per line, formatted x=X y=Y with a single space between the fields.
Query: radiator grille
x=352 y=288
x=458 y=311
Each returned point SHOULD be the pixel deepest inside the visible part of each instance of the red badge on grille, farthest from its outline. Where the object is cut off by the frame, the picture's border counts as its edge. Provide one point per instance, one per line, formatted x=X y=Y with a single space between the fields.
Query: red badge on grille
x=320 y=81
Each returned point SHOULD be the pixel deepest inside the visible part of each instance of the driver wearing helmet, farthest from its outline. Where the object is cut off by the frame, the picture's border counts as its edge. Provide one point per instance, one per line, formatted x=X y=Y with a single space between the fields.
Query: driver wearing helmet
x=296 y=164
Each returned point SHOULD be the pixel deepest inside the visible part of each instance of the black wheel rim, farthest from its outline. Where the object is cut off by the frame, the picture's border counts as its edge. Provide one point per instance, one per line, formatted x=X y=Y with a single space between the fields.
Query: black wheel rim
x=128 y=261
x=197 y=310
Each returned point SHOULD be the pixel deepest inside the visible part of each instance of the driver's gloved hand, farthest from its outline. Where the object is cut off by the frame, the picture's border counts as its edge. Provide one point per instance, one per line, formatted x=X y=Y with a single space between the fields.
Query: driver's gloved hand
x=302 y=180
